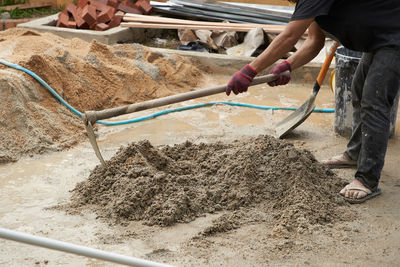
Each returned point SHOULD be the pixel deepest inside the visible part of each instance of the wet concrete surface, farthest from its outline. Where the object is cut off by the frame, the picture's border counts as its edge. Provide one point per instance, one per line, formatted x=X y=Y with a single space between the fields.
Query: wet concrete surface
x=29 y=187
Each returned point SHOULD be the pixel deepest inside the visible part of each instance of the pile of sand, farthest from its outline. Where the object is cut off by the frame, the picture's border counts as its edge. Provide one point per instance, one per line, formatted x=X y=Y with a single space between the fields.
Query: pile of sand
x=170 y=184
x=89 y=76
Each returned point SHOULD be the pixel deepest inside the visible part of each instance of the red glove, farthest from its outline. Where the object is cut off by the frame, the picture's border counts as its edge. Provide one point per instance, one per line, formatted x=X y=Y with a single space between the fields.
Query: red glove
x=241 y=80
x=279 y=69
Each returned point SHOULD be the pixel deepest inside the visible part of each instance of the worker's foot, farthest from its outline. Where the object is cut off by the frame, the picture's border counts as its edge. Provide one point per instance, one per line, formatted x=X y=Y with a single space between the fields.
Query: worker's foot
x=355 y=192
x=340 y=161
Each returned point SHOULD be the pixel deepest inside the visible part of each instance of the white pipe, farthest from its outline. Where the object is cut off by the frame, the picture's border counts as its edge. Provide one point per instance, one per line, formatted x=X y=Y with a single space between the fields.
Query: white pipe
x=76 y=249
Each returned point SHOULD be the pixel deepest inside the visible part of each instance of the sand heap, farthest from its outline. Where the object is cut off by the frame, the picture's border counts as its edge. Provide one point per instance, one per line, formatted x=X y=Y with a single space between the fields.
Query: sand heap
x=89 y=76
x=170 y=184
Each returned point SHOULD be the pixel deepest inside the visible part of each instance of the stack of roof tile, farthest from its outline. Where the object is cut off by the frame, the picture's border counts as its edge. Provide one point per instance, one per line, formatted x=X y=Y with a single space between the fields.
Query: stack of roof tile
x=100 y=15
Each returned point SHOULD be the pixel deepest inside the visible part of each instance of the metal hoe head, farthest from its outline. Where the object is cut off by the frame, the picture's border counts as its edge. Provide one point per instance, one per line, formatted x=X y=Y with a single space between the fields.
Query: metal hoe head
x=92 y=138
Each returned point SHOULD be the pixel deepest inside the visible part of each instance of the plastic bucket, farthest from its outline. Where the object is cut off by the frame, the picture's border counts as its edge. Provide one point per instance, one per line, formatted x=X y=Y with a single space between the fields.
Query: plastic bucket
x=346 y=64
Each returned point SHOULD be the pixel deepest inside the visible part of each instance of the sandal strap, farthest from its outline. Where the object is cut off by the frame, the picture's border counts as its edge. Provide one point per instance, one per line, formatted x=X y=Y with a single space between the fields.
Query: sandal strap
x=366 y=190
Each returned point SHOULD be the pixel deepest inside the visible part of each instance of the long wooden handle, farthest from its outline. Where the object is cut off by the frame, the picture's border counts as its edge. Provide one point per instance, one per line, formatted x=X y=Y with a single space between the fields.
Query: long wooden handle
x=93 y=116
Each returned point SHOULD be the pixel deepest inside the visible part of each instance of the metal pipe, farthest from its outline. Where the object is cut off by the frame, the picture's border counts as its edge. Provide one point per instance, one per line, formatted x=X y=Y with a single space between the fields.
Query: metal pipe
x=76 y=249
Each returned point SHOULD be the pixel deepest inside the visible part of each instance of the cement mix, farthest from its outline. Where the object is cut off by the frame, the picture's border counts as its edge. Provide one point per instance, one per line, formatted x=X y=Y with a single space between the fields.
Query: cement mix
x=171 y=184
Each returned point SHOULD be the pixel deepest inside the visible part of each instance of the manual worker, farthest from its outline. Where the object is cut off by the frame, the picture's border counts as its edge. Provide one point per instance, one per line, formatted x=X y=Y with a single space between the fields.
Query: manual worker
x=369 y=26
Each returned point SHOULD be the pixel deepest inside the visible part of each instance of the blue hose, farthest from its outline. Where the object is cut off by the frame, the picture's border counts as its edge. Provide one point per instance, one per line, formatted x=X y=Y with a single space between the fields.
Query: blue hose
x=40 y=80
x=154 y=115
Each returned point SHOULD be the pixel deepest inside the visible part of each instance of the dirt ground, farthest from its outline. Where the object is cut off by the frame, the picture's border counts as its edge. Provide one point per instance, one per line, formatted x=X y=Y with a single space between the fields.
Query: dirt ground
x=35 y=190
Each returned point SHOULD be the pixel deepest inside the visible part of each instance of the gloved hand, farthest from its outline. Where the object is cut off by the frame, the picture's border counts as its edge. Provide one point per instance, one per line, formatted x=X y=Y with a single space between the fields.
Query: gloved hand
x=241 y=80
x=277 y=70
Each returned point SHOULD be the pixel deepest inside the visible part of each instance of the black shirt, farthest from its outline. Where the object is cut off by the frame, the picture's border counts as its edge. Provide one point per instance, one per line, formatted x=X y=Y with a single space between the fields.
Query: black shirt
x=362 y=25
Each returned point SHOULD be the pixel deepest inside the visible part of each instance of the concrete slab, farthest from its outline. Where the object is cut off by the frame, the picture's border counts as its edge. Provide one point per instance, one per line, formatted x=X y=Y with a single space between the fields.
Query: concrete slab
x=111 y=36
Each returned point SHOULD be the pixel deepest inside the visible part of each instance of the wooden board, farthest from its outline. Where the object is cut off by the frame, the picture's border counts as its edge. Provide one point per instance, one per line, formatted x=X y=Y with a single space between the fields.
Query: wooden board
x=239 y=27
x=163 y=20
x=157 y=22
x=171 y=23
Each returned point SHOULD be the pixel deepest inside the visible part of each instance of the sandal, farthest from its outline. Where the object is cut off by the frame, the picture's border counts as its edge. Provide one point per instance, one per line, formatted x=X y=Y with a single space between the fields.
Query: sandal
x=339 y=162
x=369 y=195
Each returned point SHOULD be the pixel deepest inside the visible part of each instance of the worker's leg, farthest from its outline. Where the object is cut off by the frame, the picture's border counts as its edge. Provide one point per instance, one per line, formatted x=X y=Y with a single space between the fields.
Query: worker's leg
x=354 y=144
x=380 y=89
x=350 y=156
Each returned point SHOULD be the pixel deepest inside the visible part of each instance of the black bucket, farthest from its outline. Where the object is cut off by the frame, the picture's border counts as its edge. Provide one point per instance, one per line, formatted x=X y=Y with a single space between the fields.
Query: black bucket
x=346 y=64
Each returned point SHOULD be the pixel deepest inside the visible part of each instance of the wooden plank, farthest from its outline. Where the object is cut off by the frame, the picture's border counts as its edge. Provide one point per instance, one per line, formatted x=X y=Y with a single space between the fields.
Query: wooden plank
x=239 y=27
x=216 y=25
x=276 y=29
x=155 y=19
x=163 y=20
x=30 y=4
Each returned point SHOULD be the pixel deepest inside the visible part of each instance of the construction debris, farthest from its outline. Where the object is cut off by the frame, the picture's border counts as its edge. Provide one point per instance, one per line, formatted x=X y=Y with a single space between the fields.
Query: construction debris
x=252 y=41
x=100 y=15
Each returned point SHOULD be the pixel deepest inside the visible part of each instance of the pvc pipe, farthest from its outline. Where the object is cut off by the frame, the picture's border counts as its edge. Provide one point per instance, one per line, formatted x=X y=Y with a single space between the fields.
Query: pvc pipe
x=76 y=249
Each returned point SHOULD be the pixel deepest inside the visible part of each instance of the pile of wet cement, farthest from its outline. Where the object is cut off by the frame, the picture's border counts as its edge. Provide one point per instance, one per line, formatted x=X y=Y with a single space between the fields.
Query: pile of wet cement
x=169 y=184
x=90 y=76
